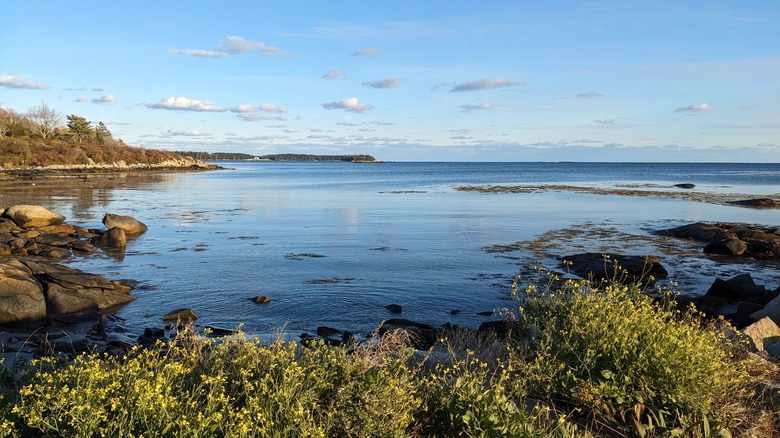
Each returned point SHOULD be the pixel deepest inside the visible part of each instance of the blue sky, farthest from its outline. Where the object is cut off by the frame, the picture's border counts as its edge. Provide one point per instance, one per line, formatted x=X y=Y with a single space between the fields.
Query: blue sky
x=610 y=80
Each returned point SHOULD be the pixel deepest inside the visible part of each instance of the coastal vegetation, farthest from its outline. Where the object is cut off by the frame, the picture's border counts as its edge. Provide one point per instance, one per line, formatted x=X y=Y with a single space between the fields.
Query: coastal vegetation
x=578 y=361
x=45 y=137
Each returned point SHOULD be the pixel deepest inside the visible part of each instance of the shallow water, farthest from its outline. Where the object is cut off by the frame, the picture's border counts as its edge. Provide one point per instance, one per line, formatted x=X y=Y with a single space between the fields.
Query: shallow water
x=333 y=243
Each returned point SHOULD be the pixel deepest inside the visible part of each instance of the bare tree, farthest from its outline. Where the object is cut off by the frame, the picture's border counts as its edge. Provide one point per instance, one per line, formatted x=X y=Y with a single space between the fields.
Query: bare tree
x=46 y=119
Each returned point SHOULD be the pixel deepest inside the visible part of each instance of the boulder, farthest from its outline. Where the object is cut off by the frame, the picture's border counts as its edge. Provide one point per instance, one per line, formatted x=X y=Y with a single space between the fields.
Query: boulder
x=129 y=225
x=685 y=185
x=701 y=232
x=70 y=290
x=260 y=299
x=631 y=268
x=762 y=333
x=181 y=315
x=21 y=296
x=727 y=247
x=740 y=288
x=113 y=238
x=33 y=216
x=394 y=308
x=771 y=310
x=422 y=336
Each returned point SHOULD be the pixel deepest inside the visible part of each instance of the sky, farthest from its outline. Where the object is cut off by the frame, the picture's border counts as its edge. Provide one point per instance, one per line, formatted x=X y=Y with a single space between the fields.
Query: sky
x=567 y=80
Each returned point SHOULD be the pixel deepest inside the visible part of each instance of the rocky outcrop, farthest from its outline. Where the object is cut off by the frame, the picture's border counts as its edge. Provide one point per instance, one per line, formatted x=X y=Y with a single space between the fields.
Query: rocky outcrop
x=623 y=268
x=129 y=225
x=731 y=239
x=21 y=296
x=33 y=290
x=28 y=216
x=757 y=203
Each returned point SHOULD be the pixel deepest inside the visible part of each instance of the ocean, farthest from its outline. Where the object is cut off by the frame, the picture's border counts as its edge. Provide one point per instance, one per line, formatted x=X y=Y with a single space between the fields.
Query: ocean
x=333 y=243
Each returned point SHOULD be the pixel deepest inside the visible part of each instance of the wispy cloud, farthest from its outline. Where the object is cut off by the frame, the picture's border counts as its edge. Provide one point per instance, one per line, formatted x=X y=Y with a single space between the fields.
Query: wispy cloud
x=694 y=109
x=231 y=45
x=605 y=121
x=81 y=99
x=333 y=74
x=235 y=44
x=199 y=53
x=441 y=85
x=105 y=99
x=384 y=83
x=485 y=84
x=350 y=104
x=589 y=95
x=186 y=133
x=184 y=104
x=368 y=52
x=477 y=106
x=16 y=81
x=257 y=117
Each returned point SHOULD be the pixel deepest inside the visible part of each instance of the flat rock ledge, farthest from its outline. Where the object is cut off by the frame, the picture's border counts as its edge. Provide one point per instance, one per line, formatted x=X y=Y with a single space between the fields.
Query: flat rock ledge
x=727 y=239
x=34 y=290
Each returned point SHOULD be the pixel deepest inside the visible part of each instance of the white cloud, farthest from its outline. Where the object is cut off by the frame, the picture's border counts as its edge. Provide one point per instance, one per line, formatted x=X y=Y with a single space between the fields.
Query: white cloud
x=694 y=109
x=350 y=104
x=333 y=74
x=235 y=44
x=485 y=84
x=186 y=133
x=477 y=106
x=605 y=121
x=291 y=130
x=368 y=52
x=199 y=53
x=107 y=98
x=81 y=99
x=384 y=83
x=16 y=81
x=271 y=108
x=244 y=108
x=184 y=104
x=589 y=95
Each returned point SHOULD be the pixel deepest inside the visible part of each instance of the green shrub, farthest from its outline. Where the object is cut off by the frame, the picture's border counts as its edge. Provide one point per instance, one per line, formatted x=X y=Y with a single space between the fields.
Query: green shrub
x=621 y=360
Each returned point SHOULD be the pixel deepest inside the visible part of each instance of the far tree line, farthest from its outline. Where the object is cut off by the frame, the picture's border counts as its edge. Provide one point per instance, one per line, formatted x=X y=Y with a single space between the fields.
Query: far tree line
x=237 y=156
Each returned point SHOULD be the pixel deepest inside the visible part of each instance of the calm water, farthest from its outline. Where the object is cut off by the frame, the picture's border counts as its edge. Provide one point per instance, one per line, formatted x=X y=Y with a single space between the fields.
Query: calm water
x=333 y=243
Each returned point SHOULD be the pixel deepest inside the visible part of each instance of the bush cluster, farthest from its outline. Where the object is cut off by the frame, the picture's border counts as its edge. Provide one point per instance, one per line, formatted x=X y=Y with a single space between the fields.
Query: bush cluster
x=579 y=362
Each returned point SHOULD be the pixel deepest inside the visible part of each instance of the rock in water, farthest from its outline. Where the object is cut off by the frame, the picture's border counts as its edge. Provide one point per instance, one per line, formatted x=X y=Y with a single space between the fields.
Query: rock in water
x=182 y=315
x=33 y=216
x=129 y=225
x=113 y=238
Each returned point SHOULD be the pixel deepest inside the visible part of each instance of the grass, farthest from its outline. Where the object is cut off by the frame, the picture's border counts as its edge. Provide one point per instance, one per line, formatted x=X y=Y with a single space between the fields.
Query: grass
x=580 y=362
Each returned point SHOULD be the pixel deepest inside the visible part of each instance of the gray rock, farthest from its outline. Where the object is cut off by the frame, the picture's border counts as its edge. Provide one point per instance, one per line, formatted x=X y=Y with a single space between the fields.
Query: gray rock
x=631 y=268
x=728 y=247
x=771 y=310
x=131 y=226
x=394 y=308
x=21 y=297
x=762 y=332
x=181 y=315
x=260 y=299
x=33 y=216
x=113 y=238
